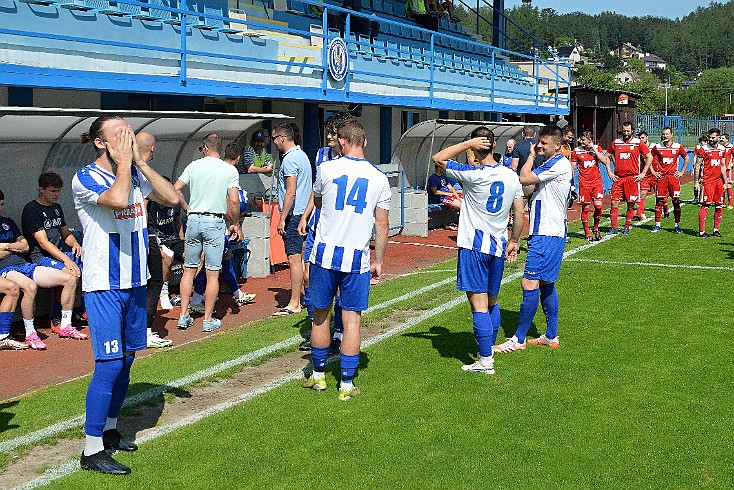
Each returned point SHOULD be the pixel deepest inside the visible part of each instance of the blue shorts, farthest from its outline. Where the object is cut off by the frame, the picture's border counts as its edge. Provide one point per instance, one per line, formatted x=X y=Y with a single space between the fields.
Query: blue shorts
x=205 y=233
x=310 y=238
x=478 y=272
x=323 y=284
x=26 y=269
x=545 y=254
x=117 y=321
x=293 y=240
x=57 y=264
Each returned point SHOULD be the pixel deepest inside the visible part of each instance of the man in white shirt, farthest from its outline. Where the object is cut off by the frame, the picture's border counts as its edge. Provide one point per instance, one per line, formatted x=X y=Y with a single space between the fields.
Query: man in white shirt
x=547 y=239
x=214 y=186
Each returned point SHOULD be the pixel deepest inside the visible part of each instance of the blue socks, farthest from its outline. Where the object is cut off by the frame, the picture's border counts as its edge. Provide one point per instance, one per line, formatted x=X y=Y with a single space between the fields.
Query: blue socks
x=318 y=357
x=494 y=313
x=100 y=394
x=549 y=302
x=483 y=330
x=348 y=366
x=119 y=390
x=528 y=308
x=6 y=320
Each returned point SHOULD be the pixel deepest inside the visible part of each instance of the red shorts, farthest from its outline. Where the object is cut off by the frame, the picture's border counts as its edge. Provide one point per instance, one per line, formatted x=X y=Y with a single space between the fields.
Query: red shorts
x=713 y=193
x=649 y=183
x=447 y=201
x=668 y=185
x=626 y=189
x=589 y=193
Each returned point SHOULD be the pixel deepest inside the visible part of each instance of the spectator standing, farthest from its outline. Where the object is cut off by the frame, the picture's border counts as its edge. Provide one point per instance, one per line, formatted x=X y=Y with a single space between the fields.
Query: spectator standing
x=255 y=159
x=161 y=221
x=506 y=159
x=294 y=189
x=108 y=196
x=213 y=185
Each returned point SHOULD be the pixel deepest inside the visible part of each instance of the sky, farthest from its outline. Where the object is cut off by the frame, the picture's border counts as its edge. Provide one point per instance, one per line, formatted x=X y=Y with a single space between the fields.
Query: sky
x=660 y=8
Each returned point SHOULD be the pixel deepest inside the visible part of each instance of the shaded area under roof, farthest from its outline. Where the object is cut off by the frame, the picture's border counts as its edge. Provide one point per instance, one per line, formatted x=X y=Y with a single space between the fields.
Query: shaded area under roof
x=418 y=144
x=37 y=140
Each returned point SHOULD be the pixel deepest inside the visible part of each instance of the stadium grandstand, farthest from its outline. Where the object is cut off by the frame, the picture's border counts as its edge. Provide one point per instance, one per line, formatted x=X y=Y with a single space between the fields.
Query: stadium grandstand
x=181 y=69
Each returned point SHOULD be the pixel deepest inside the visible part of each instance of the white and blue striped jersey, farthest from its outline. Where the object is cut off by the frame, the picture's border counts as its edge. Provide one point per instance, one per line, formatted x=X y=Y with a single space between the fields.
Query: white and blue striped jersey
x=324 y=154
x=548 y=209
x=115 y=252
x=350 y=190
x=488 y=194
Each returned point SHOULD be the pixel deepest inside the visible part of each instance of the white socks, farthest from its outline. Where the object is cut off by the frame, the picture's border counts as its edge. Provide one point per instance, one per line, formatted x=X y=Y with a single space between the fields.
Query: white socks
x=346 y=385
x=93 y=445
x=65 y=318
x=29 y=328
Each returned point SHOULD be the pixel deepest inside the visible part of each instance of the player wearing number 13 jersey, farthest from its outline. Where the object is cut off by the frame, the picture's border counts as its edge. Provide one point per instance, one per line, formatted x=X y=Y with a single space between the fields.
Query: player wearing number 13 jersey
x=491 y=190
x=547 y=240
x=353 y=197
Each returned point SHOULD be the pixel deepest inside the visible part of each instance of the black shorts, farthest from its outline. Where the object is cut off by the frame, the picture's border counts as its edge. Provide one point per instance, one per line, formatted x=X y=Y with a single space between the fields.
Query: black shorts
x=293 y=240
x=177 y=246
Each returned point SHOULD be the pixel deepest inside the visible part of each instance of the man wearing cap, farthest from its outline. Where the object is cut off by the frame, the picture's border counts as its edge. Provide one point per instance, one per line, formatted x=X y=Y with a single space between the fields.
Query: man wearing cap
x=254 y=158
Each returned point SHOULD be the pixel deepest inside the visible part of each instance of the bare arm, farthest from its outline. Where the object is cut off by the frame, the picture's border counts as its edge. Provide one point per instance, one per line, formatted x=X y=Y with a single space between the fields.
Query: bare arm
x=527 y=176
x=696 y=171
x=70 y=240
x=179 y=226
x=686 y=162
x=303 y=224
x=117 y=196
x=518 y=209
x=20 y=246
x=233 y=213
x=648 y=163
x=514 y=164
x=290 y=197
x=265 y=169
x=612 y=175
x=42 y=239
x=382 y=224
x=443 y=156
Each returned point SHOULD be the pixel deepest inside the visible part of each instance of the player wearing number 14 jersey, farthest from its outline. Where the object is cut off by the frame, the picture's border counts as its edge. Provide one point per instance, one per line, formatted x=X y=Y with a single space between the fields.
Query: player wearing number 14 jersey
x=491 y=190
x=353 y=196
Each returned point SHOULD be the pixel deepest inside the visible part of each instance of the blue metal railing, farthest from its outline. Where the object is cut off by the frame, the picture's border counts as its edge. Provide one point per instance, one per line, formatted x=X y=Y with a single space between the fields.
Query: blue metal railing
x=481 y=60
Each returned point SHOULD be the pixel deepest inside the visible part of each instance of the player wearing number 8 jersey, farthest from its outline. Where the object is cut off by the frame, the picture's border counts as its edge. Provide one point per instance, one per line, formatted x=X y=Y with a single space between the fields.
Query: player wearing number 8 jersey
x=353 y=197
x=547 y=240
x=491 y=190
x=108 y=196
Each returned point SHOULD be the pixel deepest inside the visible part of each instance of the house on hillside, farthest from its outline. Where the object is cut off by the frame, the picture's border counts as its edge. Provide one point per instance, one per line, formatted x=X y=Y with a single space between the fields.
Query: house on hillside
x=572 y=54
x=653 y=62
x=626 y=51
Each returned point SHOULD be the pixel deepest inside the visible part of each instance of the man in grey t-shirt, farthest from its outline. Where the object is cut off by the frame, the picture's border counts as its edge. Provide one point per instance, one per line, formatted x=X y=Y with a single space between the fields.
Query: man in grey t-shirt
x=214 y=186
x=295 y=184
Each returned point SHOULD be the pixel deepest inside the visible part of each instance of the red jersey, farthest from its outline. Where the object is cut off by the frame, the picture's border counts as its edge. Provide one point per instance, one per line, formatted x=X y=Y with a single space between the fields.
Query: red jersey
x=626 y=156
x=586 y=162
x=729 y=151
x=713 y=159
x=665 y=158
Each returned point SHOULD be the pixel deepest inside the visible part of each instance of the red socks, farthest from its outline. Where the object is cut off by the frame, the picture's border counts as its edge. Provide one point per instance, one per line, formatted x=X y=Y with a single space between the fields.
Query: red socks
x=702 y=218
x=614 y=216
x=585 y=219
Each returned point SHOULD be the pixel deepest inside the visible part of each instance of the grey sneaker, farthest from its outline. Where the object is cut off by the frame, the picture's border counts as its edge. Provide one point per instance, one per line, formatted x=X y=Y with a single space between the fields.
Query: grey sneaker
x=211 y=325
x=198 y=309
x=185 y=322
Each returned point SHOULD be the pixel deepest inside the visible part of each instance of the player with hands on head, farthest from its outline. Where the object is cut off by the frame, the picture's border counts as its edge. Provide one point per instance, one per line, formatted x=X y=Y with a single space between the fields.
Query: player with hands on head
x=491 y=192
x=586 y=158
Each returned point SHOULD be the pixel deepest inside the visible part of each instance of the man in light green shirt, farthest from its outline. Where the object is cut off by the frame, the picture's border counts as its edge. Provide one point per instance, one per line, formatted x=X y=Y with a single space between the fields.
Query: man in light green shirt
x=209 y=180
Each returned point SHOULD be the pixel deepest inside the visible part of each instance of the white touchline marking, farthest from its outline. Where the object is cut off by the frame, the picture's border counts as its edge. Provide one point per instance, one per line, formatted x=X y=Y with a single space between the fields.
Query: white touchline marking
x=78 y=420
x=72 y=466
x=652 y=264
x=429 y=245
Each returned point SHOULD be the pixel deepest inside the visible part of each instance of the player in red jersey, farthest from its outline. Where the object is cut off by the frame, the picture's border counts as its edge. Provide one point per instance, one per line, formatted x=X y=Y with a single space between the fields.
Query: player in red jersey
x=626 y=178
x=586 y=158
x=648 y=181
x=665 y=169
x=712 y=159
x=729 y=164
